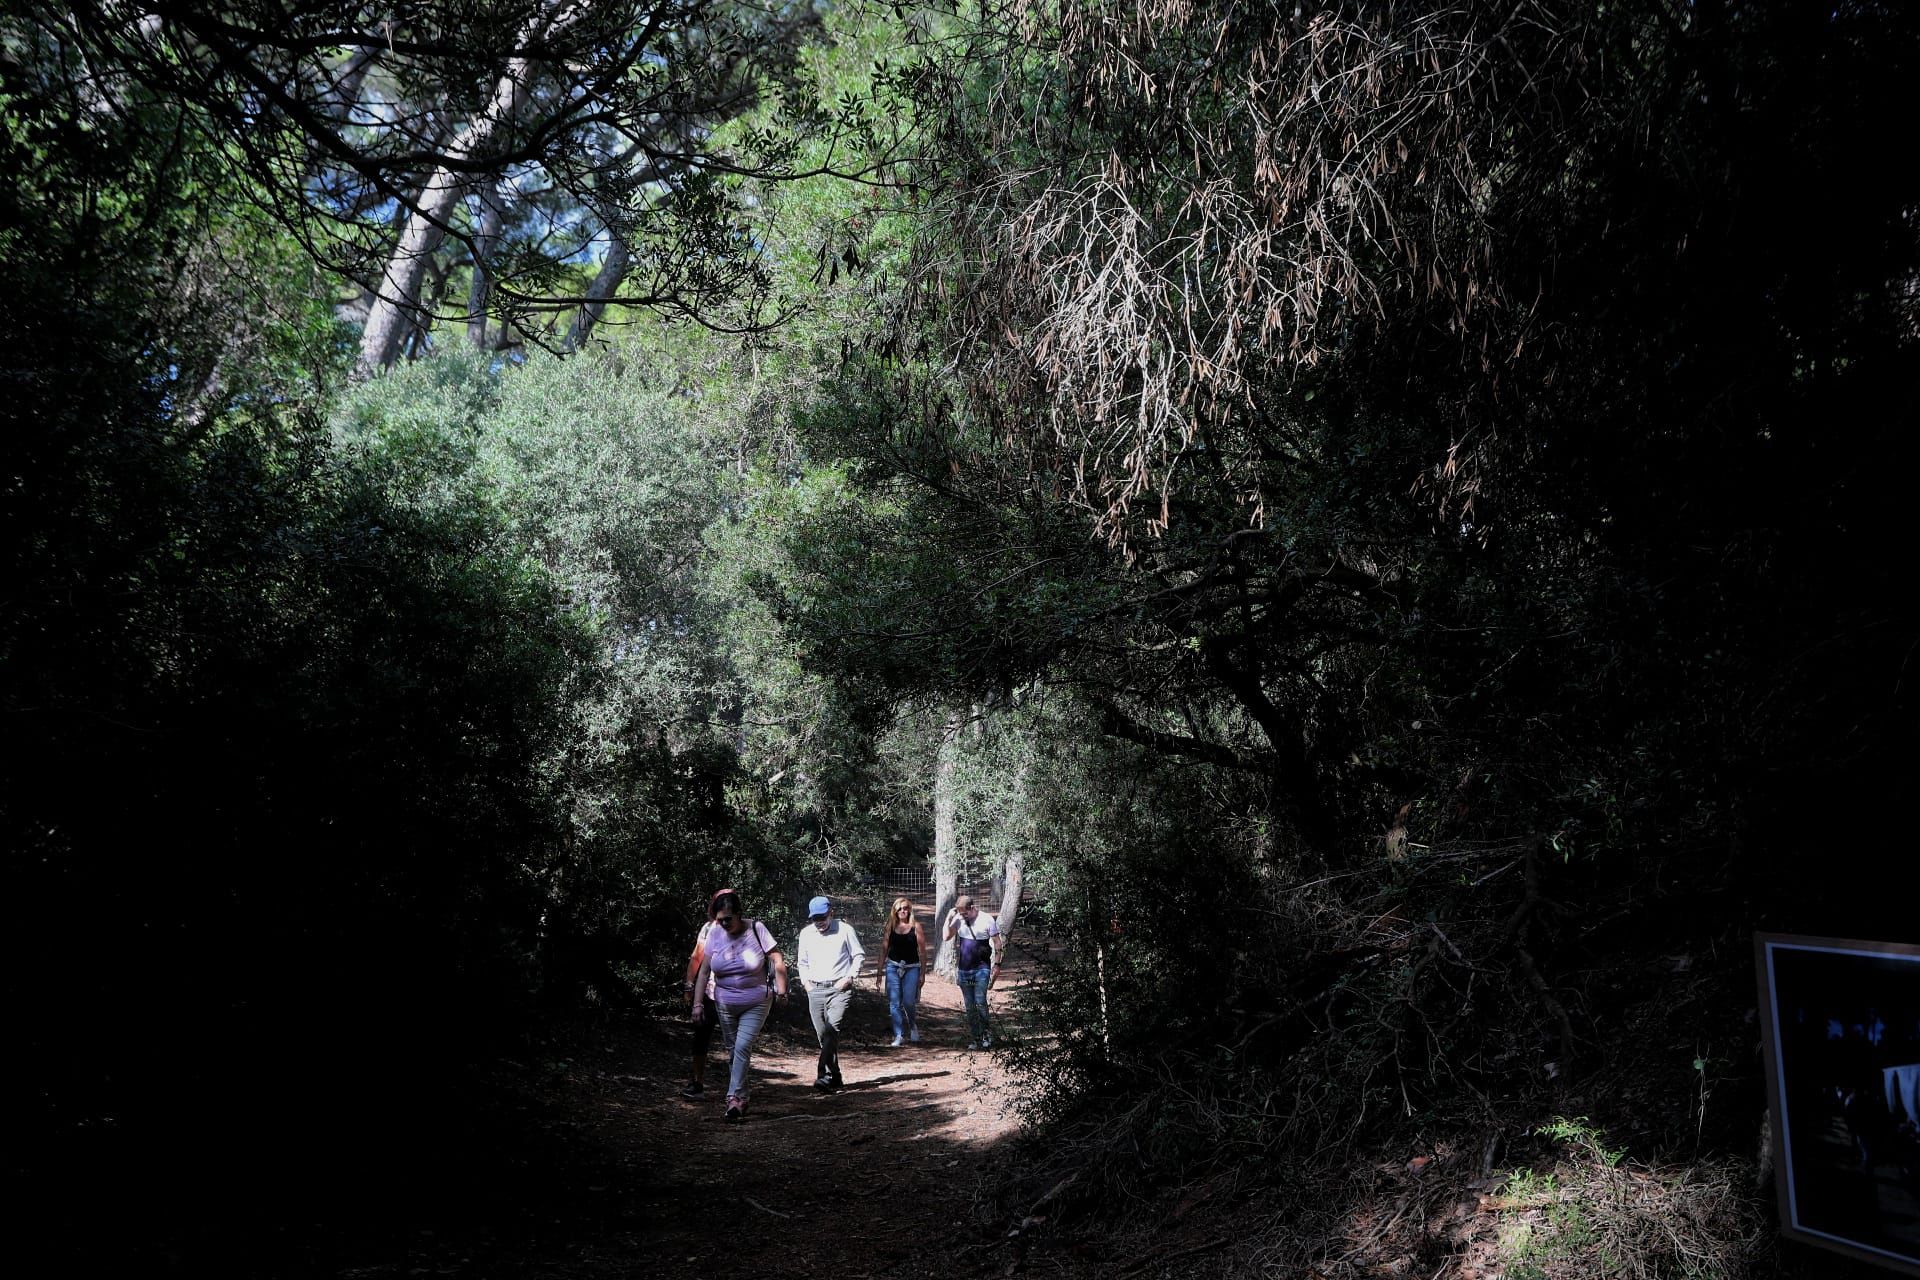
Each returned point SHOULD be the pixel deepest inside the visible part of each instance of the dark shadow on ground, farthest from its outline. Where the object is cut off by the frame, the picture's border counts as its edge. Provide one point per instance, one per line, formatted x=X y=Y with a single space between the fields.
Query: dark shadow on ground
x=573 y=1157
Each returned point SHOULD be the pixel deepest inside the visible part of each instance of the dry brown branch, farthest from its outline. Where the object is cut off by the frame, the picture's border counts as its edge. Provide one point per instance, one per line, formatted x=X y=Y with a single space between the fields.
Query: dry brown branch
x=762 y=1208
x=1215 y=202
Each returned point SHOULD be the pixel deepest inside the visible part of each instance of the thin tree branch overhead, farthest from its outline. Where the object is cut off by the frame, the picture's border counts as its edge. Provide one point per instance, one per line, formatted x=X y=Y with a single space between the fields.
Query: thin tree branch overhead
x=369 y=129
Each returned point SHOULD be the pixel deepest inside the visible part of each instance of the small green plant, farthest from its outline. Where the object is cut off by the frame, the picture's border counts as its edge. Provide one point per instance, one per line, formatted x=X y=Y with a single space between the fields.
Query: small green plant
x=1525 y=1187
x=1580 y=1133
x=1590 y=1215
x=1546 y=1227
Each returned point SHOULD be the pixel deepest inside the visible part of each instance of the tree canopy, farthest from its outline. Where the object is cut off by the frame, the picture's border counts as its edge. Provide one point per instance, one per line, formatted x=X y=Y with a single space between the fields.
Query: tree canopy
x=1390 y=516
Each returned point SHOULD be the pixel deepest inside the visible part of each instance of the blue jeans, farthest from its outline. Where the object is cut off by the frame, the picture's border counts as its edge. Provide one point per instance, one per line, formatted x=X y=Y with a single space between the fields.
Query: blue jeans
x=903 y=997
x=973 y=992
x=742 y=1026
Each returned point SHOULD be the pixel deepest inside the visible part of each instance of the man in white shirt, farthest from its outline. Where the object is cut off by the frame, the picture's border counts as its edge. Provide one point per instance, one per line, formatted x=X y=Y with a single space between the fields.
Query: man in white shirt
x=830 y=959
x=977 y=942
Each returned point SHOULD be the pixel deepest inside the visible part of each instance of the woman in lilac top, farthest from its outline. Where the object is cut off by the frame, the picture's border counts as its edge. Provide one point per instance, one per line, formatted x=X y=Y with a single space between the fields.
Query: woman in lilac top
x=706 y=1019
x=749 y=974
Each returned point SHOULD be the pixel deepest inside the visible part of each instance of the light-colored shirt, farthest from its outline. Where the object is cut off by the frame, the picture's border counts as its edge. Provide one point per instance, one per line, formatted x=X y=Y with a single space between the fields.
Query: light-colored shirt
x=740 y=964
x=974 y=942
x=830 y=956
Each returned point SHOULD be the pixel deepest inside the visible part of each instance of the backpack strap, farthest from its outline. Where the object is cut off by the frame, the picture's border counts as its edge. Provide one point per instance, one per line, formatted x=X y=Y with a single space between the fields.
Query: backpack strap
x=765 y=938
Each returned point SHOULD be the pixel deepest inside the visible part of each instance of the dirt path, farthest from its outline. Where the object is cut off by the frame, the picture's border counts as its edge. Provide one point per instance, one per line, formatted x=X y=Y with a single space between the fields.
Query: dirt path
x=875 y=1180
x=601 y=1169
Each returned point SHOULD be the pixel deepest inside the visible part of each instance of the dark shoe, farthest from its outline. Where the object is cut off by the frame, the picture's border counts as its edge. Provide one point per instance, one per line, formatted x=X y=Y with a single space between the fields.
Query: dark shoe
x=824 y=1084
x=693 y=1090
x=735 y=1115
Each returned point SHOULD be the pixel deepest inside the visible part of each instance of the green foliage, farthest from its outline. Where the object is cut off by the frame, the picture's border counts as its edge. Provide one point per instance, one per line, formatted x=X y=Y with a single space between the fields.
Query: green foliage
x=1447 y=570
x=278 y=746
x=323 y=769
x=1122 y=860
x=1580 y=1134
x=1588 y=1216
x=596 y=475
x=601 y=153
x=834 y=231
x=1389 y=608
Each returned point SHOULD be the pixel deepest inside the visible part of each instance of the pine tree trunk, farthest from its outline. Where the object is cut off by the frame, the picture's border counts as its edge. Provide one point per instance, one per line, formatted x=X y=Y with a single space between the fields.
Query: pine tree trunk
x=1013 y=871
x=606 y=282
x=480 y=289
x=396 y=306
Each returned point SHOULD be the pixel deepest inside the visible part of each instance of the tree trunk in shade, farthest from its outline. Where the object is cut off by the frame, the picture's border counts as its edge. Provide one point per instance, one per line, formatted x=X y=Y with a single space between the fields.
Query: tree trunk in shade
x=1010 y=889
x=946 y=854
x=480 y=289
x=606 y=282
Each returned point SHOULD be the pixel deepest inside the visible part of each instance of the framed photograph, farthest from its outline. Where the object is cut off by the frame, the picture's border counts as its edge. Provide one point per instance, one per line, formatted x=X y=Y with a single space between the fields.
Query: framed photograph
x=1842 y=1034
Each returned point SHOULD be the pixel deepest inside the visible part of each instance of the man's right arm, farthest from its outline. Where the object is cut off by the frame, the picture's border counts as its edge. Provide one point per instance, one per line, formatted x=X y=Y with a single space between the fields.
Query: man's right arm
x=801 y=961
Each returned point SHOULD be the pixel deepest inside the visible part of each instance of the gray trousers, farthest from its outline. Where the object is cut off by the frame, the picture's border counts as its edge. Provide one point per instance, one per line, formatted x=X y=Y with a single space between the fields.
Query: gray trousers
x=828 y=1006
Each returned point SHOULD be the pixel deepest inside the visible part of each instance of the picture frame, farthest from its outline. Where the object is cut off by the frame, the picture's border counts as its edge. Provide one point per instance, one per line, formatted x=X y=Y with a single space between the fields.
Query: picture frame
x=1840 y=1019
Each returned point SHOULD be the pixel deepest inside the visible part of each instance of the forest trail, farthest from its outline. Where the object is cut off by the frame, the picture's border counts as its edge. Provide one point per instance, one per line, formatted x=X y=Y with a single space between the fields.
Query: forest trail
x=877 y=1179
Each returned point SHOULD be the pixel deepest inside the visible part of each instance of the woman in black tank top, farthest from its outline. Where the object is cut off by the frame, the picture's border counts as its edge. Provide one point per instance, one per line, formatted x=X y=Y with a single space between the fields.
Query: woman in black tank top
x=906 y=946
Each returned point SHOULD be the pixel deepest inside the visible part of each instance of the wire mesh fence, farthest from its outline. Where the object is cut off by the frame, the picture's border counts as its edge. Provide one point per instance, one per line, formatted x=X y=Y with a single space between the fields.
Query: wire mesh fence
x=985 y=884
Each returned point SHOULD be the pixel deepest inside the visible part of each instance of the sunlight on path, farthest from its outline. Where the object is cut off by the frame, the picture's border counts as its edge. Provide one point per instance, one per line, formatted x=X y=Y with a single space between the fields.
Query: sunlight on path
x=878 y=1179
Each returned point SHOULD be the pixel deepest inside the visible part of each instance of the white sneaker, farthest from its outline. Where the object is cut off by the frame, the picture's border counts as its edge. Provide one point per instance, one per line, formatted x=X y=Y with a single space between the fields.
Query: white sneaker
x=973 y=1044
x=914 y=1035
x=987 y=1043
x=895 y=1043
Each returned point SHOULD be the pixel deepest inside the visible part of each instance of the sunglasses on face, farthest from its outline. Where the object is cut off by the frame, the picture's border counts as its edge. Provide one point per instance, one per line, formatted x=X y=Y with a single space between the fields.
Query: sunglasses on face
x=723 y=920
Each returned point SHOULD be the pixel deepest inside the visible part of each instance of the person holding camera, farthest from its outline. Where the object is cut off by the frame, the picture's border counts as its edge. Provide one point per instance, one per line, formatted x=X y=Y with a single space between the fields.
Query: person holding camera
x=977 y=942
x=749 y=974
